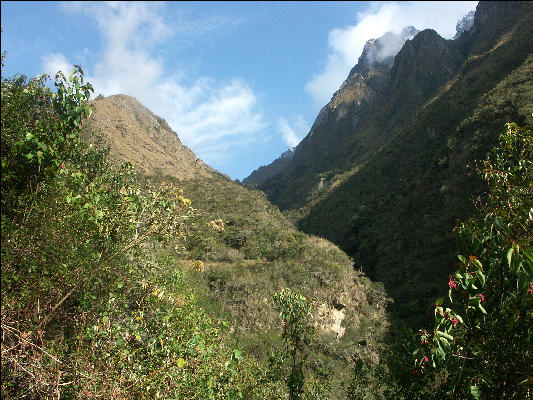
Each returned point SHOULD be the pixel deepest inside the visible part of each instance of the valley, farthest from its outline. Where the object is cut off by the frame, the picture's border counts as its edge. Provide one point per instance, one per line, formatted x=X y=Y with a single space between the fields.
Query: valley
x=387 y=255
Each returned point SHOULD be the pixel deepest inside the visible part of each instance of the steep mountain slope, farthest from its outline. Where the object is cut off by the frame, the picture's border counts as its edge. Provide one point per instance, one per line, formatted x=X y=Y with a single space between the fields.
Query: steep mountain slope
x=137 y=135
x=359 y=90
x=240 y=250
x=384 y=174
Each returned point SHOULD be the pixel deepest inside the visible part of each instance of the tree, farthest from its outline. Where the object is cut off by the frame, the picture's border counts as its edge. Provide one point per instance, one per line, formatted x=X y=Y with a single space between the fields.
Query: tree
x=295 y=311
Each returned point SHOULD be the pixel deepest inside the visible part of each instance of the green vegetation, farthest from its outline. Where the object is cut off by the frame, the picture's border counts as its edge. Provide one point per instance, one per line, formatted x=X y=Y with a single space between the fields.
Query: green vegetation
x=113 y=285
x=296 y=312
x=121 y=285
x=240 y=251
x=480 y=343
x=483 y=338
x=91 y=306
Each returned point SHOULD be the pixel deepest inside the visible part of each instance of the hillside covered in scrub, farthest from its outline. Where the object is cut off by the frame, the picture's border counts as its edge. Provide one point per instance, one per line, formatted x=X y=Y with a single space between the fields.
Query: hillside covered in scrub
x=399 y=267
x=132 y=278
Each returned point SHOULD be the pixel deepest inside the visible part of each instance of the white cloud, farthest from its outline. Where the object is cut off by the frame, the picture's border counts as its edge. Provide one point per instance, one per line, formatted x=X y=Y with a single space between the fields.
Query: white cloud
x=292 y=133
x=206 y=112
x=210 y=117
x=346 y=44
x=56 y=62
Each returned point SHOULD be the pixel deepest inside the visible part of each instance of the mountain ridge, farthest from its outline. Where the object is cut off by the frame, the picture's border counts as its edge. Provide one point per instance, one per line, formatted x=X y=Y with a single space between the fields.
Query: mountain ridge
x=385 y=176
x=135 y=134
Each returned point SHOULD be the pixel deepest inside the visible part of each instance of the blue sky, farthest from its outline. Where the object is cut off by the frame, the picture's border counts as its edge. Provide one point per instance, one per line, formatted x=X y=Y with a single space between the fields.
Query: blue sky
x=240 y=82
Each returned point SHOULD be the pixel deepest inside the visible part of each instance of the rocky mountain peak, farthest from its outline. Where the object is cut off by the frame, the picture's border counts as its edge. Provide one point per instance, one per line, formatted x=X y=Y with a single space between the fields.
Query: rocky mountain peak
x=421 y=67
x=464 y=24
x=381 y=51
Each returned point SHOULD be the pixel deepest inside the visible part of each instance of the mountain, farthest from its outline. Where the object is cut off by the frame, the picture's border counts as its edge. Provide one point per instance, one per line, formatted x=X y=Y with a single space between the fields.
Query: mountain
x=240 y=250
x=464 y=24
x=265 y=172
x=383 y=172
x=382 y=51
x=137 y=135
x=363 y=81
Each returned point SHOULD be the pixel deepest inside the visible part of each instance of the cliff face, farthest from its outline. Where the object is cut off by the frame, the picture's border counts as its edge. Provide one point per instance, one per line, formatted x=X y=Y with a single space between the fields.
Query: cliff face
x=383 y=171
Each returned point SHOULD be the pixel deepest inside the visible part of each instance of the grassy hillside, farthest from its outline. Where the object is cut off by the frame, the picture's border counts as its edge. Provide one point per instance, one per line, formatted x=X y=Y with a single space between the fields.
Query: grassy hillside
x=91 y=304
x=239 y=250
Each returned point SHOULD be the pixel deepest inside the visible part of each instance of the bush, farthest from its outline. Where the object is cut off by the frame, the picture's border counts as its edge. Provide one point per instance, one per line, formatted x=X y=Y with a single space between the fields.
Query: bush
x=481 y=341
x=91 y=306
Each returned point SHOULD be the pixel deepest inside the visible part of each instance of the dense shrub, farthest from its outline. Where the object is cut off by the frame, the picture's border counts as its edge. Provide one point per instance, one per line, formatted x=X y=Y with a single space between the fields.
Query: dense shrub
x=91 y=306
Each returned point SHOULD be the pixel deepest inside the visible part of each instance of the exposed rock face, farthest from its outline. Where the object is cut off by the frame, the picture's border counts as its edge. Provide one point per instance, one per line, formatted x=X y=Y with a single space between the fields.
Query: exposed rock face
x=383 y=171
x=137 y=135
x=464 y=24
x=422 y=66
x=382 y=51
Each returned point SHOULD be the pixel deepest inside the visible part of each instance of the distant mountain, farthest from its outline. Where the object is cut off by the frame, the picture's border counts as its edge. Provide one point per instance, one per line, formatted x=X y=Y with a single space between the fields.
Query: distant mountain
x=383 y=172
x=263 y=173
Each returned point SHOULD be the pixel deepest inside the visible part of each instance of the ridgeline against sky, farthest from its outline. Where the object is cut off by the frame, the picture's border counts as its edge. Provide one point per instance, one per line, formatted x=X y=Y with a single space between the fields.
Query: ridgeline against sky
x=239 y=82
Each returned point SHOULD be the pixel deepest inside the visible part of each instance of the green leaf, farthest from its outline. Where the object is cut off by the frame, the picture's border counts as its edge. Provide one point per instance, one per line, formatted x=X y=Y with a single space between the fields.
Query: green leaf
x=439 y=301
x=442 y=352
x=474 y=391
x=444 y=335
x=477 y=263
x=180 y=362
x=29 y=156
x=510 y=256
x=481 y=277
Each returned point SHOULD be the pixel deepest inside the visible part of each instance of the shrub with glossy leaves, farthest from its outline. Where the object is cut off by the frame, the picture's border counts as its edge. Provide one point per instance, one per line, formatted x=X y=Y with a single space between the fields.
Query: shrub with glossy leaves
x=482 y=335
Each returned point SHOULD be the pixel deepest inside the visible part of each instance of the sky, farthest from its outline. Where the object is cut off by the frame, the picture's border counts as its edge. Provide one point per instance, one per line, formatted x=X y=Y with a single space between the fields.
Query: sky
x=239 y=82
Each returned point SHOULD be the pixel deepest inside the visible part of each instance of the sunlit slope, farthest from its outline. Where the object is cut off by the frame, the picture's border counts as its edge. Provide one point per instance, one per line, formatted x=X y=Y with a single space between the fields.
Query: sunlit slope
x=137 y=135
x=239 y=249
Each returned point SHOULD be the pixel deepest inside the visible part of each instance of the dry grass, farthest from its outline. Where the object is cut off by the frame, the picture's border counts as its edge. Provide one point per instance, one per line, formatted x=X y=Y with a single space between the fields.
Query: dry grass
x=137 y=135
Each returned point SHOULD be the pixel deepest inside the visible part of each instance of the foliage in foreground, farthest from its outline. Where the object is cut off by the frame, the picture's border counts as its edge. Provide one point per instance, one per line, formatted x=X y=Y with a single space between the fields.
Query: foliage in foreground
x=483 y=337
x=91 y=306
x=480 y=346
